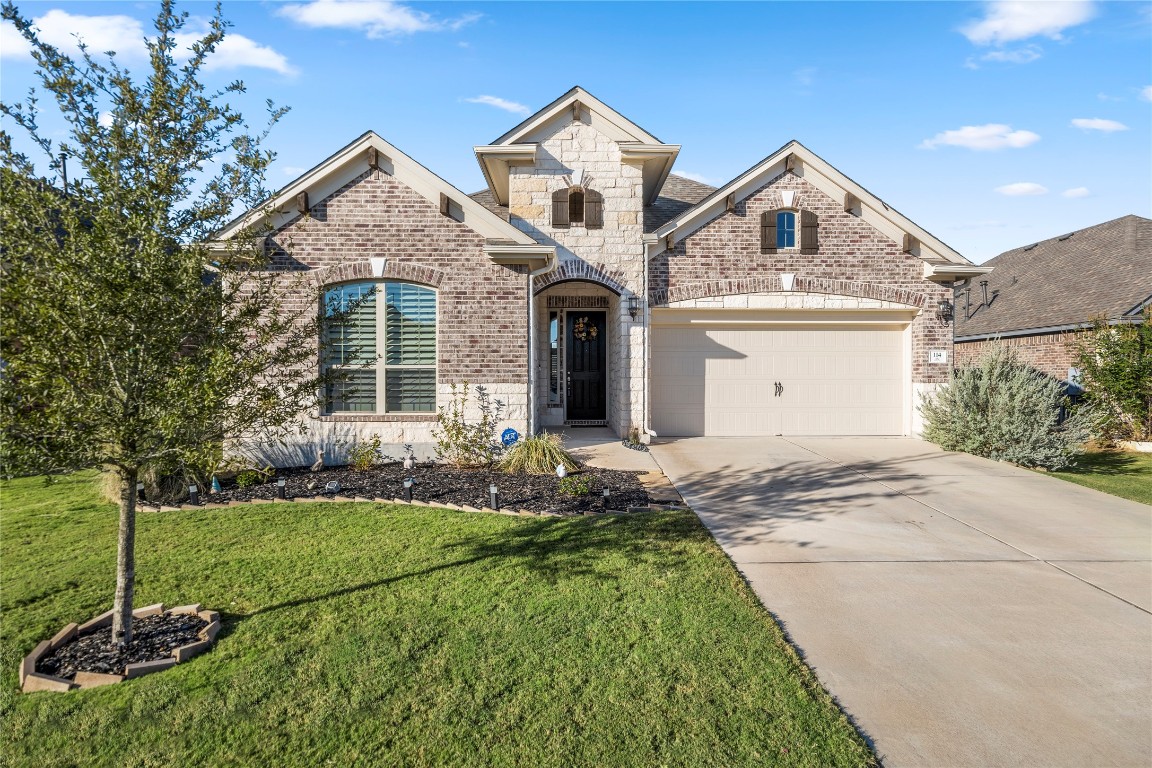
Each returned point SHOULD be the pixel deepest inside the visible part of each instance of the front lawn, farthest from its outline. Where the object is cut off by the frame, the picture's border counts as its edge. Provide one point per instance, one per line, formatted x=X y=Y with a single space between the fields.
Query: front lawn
x=363 y=634
x=1128 y=475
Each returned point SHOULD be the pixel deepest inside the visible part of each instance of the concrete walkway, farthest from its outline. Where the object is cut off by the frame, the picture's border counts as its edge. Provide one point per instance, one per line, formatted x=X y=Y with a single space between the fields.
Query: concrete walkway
x=964 y=612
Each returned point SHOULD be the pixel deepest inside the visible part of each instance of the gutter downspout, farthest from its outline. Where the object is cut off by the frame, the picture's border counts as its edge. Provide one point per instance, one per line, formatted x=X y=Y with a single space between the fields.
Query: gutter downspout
x=646 y=433
x=553 y=262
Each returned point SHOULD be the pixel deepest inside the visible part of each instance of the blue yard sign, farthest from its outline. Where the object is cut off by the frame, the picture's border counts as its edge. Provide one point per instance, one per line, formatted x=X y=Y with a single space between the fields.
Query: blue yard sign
x=509 y=437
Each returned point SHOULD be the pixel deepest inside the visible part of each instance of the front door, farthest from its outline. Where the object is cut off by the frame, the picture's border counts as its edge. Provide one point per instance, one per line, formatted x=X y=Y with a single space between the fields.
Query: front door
x=587 y=339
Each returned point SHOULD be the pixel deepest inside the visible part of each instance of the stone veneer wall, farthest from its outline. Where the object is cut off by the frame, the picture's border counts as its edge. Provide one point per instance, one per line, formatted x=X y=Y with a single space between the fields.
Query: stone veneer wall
x=723 y=257
x=481 y=317
x=1052 y=353
x=613 y=255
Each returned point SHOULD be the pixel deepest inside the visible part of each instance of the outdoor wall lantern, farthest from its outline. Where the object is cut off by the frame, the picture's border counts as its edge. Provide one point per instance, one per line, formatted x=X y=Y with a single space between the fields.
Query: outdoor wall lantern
x=945 y=311
x=633 y=306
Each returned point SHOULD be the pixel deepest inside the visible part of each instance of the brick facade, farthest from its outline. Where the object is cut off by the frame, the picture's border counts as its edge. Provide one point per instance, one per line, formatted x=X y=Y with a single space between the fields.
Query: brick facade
x=723 y=257
x=1052 y=353
x=481 y=317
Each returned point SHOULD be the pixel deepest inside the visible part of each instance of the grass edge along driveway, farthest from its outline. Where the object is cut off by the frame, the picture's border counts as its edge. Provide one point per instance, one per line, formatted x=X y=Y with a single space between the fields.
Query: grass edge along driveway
x=1120 y=473
x=364 y=634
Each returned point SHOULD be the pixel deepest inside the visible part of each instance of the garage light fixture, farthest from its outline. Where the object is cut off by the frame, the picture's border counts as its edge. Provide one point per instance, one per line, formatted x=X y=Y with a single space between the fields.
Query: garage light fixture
x=633 y=306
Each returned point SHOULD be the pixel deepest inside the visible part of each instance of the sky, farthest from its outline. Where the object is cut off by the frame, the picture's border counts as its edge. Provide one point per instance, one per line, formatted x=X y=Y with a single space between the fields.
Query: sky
x=990 y=124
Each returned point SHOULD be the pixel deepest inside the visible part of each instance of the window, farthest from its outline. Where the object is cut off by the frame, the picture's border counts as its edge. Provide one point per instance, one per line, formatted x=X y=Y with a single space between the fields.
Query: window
x=785 y=229
x=577 y=205
x=778 y=231
x=553 y=358
x=385 y=345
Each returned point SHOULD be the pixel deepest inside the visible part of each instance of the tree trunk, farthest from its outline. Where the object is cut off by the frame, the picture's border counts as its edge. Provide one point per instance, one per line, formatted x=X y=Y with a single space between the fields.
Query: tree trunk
x=125 y=560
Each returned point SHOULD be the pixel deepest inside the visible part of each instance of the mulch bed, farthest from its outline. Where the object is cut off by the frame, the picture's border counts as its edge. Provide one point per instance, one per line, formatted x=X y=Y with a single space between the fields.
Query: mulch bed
x=153 y=637
x=437 y=483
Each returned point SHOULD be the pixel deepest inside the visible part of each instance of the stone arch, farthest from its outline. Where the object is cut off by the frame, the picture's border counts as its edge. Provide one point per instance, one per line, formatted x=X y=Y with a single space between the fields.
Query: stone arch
x=771 y=284
x=393 y=270
x=582 y=271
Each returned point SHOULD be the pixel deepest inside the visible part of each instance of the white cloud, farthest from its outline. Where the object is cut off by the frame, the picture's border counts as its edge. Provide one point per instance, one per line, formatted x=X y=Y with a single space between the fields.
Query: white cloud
x=12 y=43
x=377 y=18
x=1008 y=20
x=805 y=76
x=1022 y=188
x=1023 y=55
x=698 y=177
x=125 y=36
x=499 y=103
x=982 y=137
x=1146 y=93
x=1076 y=192
x=237 y=51
x=1098 y=124
x=105 y=120
x=293 y=171
x=122 y=34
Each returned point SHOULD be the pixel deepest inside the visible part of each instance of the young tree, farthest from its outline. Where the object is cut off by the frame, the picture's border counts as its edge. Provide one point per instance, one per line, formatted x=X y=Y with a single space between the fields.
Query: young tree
x=1115 y=363
x=130 y=341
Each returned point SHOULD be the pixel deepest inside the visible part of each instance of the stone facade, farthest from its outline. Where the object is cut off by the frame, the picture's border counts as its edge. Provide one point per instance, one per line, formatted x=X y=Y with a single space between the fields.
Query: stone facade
x=854 y=259
x=1052 y=353
x=612 y=256
x=481 y=316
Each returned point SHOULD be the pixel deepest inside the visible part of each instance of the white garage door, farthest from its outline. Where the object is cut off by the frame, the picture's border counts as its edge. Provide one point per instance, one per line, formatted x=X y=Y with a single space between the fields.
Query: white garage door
x=721 y=380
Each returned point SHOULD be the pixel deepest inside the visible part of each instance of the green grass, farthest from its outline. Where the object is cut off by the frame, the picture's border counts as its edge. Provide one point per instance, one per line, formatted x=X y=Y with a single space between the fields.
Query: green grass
x=358 y=634
x=1127 y=475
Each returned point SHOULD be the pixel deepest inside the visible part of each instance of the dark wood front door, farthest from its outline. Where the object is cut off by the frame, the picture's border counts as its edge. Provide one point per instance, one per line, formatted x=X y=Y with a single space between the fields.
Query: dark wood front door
x=587 y=339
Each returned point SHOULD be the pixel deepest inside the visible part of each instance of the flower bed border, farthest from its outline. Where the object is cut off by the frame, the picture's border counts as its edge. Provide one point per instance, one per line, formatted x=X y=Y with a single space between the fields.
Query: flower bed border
x=31 y=680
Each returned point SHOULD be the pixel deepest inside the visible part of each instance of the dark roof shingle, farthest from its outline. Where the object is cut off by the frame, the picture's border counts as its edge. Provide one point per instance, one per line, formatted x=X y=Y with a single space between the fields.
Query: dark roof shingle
x=1100 y=271
x=676 y=196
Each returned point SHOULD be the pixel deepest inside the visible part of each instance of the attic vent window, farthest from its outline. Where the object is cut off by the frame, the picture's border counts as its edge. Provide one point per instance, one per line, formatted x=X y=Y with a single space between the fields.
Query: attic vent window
x=577 y=205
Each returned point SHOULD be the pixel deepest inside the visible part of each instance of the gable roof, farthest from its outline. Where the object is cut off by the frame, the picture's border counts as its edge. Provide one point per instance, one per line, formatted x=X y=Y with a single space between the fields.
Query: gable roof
x=518 y=146
x=941 y=261
x=1063 y=283
x=347 y=163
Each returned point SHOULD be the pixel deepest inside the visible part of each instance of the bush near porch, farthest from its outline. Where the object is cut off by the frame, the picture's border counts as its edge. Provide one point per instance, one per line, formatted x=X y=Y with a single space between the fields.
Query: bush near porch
x=363 y=634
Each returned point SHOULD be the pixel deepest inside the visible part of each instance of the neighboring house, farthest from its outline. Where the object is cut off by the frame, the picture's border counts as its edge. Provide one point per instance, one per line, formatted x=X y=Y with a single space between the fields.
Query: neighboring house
x=1039 y=298
x=590 y=286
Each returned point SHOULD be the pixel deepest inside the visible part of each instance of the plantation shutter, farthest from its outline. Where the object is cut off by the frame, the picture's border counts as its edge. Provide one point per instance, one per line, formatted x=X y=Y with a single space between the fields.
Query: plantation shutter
x=768 y=232
x=410 y=349
x=560 y=209
x=809 y=223
x=593 y=209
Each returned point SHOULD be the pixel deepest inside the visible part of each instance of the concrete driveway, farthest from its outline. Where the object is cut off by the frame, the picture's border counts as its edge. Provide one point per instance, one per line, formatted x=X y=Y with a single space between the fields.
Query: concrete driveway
x=964 y=612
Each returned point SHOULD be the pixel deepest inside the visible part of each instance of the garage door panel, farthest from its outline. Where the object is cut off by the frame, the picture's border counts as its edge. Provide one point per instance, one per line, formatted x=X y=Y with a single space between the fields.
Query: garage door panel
x=721 y=380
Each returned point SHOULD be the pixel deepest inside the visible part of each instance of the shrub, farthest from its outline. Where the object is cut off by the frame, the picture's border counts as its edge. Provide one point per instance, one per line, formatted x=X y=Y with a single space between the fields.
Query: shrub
x=539 y=455
x=1003 y=409
x=248 y=478
x=1115 y=365
x=575 y=485
x=464 y=444
x=365 y=454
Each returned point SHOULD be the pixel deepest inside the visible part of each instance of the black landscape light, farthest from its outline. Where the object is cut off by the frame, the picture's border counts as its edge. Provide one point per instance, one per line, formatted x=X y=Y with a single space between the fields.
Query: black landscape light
x=607 y=493
x=280 y=488
x=407 y=489
x=494 y=496
x=193 y=495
